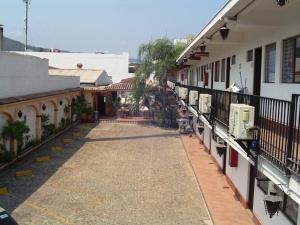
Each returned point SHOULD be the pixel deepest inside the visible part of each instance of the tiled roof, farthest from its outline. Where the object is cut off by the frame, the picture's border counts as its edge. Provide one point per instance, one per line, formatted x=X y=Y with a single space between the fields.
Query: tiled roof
x=126 y=85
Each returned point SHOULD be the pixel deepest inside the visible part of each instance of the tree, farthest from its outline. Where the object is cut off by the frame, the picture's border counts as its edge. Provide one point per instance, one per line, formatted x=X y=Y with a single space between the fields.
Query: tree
x=158 y=58
x=15 y=130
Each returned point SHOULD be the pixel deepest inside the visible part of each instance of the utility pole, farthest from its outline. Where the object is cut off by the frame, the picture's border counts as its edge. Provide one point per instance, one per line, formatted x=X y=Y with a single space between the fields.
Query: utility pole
x=26 y=23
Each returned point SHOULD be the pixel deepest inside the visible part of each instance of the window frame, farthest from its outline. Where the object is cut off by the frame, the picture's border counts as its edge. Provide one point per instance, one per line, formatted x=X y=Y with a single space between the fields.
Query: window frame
x=233 y=60
x=266 y=63
x=294 y=38
x=217 y=71
x=223 y=70
x=249 y=57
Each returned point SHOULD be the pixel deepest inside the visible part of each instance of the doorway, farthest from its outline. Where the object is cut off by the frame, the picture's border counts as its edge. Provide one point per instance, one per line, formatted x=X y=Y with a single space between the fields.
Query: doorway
x=251 y=187
x=257 y=71
x=227 y=72
x=101 y=106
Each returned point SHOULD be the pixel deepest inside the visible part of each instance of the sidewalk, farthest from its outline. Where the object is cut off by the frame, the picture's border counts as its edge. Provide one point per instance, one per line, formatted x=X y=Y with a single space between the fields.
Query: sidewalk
x=222 y=205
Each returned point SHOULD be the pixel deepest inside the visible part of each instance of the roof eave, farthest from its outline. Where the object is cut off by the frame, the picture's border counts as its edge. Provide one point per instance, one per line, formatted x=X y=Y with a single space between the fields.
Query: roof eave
x=222 y=13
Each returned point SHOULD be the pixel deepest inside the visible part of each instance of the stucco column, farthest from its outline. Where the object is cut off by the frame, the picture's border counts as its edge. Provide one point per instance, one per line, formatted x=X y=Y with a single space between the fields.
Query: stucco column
x=38 y=127
x=56 y=118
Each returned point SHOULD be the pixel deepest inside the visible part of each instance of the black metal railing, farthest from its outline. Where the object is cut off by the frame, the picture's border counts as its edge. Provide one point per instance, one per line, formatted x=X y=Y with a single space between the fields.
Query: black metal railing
x=278 y=122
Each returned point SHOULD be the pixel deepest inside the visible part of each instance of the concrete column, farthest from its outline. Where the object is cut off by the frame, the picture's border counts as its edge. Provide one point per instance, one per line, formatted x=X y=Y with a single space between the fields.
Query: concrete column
x=38 y=127
x=56 y=117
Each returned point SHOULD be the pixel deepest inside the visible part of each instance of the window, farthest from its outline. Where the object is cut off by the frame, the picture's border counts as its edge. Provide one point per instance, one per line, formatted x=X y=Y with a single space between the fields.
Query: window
x=233 y=58
x=249 y=55
x=217 y=71
x=263 y=182
x=182 y=77
x=202 y=72
x=270 y=63
x=198 y=74
x=291 y=60
x=191 y=82
x=223 y=69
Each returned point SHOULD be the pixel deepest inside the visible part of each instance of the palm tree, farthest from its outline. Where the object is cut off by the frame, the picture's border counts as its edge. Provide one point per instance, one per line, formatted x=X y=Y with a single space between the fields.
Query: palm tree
x=158 y=58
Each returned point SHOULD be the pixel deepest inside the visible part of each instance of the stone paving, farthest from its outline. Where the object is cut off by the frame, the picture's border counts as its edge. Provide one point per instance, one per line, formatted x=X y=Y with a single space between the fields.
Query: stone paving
x=116 y=173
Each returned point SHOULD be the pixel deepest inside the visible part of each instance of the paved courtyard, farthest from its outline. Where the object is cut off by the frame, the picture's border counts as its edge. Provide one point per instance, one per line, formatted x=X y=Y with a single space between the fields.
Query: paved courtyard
x=113 y=174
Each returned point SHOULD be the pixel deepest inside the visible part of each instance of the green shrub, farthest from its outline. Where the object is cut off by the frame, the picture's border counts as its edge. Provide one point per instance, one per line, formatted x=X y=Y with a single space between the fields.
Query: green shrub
x=16 y=131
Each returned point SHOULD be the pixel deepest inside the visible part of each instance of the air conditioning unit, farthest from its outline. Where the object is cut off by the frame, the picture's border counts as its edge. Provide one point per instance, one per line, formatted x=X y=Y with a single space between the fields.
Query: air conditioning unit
x=241 y=118
x=193 y=98
x=183 y=92
x=204 y=103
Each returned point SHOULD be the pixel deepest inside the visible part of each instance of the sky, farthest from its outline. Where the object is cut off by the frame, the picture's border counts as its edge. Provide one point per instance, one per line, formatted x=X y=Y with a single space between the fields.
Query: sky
x=114 y=26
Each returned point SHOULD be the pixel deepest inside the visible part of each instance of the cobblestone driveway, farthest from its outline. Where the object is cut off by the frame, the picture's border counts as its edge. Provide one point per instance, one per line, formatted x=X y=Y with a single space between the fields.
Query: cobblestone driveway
x=115 y=174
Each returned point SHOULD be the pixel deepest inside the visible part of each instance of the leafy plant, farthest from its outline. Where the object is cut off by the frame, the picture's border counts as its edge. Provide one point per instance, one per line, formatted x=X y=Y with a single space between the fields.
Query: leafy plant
x=158 y=58
x=47 y=128
x=168 y=117
x=16 y=131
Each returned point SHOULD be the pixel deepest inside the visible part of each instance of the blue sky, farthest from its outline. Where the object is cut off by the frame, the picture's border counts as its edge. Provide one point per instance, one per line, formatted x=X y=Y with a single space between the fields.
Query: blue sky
x=105 y=25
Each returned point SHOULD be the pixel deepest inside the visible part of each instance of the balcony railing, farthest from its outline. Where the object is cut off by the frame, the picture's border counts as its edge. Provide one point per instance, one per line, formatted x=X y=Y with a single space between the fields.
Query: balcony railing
x=277 y=120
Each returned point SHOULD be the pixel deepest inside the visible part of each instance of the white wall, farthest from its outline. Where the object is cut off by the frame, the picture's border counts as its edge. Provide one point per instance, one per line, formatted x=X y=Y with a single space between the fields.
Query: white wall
x=30 y=114
x=24 y=75
x=103 y=79
x=49 y=111
x=206 y=136
x=115 y=65
x=258 y=38
x=214 y=153
x=239 y=175
x=259 y=210
x=60 y=113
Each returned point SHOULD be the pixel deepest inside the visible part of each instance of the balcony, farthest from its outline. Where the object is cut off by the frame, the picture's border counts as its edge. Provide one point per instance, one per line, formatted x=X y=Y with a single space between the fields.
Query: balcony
x=277 y=120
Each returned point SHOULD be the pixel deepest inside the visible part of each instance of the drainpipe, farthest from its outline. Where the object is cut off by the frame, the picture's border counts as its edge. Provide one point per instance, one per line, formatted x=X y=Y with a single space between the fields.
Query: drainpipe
x=1 y=37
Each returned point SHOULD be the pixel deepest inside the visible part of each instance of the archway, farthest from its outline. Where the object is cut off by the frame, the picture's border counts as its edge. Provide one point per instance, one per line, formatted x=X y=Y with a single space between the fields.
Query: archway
x=5 y=144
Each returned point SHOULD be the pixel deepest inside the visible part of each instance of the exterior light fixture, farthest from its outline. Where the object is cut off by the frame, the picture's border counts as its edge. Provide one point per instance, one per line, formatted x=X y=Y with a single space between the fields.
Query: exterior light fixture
x=281 y=2
x=185 y=59
x=272 y=203
x=44 y=107
x=224 y=31
x=202 y=47
x=60 y=102
x=20 y=114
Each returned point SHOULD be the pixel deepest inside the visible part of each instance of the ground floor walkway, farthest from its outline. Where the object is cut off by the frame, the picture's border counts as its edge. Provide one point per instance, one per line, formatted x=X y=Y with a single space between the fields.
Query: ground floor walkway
x=110 y=174
x=224 y=207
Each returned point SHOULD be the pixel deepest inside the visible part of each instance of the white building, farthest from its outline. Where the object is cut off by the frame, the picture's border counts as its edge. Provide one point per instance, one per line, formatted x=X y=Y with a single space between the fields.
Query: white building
x=87 y=77
x=27 y=92
x=262 y=55
x=24 y=75
x=116 y=66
